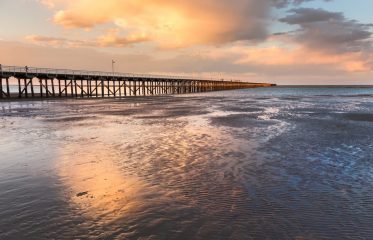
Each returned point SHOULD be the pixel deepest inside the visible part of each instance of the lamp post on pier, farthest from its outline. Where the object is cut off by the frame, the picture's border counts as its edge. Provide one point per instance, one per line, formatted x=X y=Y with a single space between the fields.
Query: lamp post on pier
x=112 y=66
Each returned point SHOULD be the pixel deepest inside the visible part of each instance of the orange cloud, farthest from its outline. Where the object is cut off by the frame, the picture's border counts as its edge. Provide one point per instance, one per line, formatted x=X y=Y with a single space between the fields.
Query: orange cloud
x=112 y=39
x=171 y=23
x=47 y=40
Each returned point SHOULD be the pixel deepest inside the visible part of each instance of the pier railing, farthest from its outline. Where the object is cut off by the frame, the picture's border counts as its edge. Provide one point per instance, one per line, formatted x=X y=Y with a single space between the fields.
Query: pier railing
x=16 y=70
x=48 y=82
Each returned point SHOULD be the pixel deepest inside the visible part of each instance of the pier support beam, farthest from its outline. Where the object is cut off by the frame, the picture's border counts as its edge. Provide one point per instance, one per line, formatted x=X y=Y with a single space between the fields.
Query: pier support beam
x=46 y=89
x=19 y=88
x=32 y=88
x=7 y=87
x=76 y=89
x=1 y=88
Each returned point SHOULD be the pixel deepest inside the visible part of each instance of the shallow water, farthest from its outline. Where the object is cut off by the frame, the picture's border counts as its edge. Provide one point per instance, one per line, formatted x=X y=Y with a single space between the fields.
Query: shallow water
x=279 y=163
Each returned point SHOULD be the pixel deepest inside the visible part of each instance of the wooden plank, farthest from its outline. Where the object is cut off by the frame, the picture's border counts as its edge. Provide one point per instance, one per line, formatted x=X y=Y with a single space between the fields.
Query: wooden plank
x=7 y=87
x=59 y=88
x=125 y=87
x=41 y=87
x=1 y=87
x=114 y=92
x=96 y=88
x=19 y=88
x=134 y=88
x=120 y=89
x=76 y=89
x=129 y=87
x=65 y=82
x=102 y=88
x=143 y=87
x=32 y=88
x=89 y=88
x=25 y=87
x=53 y=90
x=81 y=88
x=46 y=88
x=71 y=88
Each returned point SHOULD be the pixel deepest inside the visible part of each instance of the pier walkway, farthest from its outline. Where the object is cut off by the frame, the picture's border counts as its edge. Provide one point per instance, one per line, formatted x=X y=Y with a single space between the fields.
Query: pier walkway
x=29 y=82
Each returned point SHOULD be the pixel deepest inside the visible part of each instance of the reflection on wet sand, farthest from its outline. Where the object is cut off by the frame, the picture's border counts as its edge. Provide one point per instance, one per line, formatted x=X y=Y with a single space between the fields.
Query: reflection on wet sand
x=95 y=184
x=227 y=165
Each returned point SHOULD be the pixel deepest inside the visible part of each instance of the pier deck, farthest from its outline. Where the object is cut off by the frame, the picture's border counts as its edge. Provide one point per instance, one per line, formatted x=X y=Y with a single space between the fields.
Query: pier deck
x=29 y=82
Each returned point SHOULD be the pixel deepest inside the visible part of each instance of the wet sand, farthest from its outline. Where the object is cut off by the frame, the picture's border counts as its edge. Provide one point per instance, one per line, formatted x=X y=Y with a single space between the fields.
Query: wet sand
x=252 y=164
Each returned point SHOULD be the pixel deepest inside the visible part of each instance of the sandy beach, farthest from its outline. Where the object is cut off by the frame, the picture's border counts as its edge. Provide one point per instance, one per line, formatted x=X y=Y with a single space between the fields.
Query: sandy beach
x=287 y=163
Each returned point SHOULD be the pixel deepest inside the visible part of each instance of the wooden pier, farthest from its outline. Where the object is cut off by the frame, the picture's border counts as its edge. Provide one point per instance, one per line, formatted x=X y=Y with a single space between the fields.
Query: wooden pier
x=30 y=82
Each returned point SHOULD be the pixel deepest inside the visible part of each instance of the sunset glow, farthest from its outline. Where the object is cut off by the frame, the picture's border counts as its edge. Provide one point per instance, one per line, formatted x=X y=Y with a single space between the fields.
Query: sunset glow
x=278 y=41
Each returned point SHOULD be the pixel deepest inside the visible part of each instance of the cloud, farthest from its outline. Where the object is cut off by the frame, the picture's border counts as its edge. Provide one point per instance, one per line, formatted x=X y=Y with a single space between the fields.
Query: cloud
x=48 y=3
x=329 y=31
x=174 y=23
x=295 y=56
x=52 y=3
x=110 y=39
x=322 y=45
x=54 y=41
x=286 y=3
x=309 y=15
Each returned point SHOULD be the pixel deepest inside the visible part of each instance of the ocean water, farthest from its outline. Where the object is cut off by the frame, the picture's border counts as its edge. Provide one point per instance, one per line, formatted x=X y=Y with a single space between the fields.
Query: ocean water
x=271 y=163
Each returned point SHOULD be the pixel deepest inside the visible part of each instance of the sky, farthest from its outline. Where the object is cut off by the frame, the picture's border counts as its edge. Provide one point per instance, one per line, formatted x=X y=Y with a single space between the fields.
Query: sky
x=278 y=41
